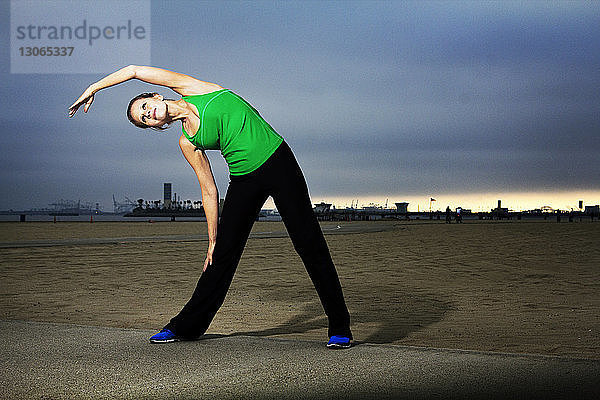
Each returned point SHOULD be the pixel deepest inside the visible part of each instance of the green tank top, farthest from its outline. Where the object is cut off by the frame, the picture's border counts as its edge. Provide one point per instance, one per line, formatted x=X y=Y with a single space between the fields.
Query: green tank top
x=230 y=124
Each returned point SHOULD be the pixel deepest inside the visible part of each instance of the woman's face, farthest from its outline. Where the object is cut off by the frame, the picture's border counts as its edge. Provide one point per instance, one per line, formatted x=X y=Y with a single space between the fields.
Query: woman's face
x=151 y=111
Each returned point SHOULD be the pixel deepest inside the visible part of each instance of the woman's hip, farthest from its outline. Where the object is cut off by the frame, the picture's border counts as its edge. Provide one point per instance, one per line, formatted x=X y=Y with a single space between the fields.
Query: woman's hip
x=282 y=164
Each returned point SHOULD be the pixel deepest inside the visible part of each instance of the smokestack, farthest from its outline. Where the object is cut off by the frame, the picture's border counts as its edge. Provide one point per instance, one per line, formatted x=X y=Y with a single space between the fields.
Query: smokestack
x=499 y=204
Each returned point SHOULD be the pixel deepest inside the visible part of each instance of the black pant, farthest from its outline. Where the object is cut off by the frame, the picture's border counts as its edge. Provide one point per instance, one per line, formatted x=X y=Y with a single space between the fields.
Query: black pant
x=280 y=176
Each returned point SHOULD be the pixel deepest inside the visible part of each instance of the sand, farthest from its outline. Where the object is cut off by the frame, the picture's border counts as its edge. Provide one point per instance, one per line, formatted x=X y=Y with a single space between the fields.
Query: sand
x=514 y=286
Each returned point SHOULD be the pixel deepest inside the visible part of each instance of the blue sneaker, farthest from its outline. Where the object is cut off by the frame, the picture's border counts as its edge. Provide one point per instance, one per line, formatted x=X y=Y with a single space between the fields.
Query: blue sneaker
x=164 y=336
x=339 y=342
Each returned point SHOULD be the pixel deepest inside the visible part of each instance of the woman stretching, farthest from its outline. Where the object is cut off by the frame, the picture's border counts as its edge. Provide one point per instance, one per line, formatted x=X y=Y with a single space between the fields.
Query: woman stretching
x=260 y=165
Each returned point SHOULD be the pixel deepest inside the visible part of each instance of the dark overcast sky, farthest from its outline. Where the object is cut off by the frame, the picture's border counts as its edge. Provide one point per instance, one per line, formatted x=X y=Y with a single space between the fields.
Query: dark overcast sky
x=376 y=98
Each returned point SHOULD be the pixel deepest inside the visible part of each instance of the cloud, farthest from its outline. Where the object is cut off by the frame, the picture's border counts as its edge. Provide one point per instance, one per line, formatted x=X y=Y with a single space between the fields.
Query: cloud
x=374 y=97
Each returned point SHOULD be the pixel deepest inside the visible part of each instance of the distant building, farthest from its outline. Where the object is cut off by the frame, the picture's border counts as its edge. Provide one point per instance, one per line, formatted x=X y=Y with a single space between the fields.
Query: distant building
x=402 y=208
x=594 y=211
x=322 y=208
x=499 y=212
x=167 y=196
x=323 y=211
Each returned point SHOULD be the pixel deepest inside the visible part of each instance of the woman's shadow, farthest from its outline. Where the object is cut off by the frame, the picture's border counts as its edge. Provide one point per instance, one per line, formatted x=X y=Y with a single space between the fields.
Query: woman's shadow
x=379 y=318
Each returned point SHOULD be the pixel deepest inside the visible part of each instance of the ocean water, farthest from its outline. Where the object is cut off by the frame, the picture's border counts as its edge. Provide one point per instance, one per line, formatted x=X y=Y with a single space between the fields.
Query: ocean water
x=107 y=217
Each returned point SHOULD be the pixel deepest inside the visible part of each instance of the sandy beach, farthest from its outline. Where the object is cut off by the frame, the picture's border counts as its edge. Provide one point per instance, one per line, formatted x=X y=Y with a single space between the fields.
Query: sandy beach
x=514 y=286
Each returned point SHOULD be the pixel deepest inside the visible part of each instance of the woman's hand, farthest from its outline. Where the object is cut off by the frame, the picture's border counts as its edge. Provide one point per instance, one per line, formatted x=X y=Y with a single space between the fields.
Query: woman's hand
x=87 y=97
x=209 y=254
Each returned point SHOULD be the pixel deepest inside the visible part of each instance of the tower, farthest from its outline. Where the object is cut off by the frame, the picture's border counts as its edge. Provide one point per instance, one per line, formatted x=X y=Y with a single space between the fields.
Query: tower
x=167 y=195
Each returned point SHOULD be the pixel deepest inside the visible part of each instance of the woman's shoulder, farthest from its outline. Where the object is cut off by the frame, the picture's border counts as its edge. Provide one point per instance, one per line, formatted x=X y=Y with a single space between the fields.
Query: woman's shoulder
x=203 y=90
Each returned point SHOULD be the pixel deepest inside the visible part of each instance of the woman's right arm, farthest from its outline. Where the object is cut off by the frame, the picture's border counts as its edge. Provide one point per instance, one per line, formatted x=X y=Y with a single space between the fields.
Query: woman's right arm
x=210 y=194
x=180 y=83
x=122 y=75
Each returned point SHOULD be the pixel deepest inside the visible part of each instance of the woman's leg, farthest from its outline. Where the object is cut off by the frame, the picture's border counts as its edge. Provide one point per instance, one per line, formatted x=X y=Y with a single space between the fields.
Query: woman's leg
x=290 y=193
x=243 y=202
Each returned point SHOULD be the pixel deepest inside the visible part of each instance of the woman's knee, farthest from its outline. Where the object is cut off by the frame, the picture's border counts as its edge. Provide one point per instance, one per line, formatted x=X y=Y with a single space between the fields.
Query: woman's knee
x=311 y=246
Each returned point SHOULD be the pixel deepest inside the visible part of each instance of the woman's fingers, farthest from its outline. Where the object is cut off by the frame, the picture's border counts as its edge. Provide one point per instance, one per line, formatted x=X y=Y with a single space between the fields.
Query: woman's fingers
x=87 y=97
x=88 y=104
x=207 y=262
x=73 y=110
x=80 y=100
x=74 y=107
x=209 y=254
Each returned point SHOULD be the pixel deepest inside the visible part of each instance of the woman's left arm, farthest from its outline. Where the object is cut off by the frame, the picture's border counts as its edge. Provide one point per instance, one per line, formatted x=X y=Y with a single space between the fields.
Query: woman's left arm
x=183 y=84
x=210 y=194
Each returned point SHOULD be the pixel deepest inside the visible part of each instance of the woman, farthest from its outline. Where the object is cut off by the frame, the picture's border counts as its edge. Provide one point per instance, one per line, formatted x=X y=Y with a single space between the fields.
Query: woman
x=260 y=165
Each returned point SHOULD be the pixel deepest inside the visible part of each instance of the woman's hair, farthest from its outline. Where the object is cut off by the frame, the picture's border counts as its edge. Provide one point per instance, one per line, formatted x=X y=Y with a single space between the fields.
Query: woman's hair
x=137 y=123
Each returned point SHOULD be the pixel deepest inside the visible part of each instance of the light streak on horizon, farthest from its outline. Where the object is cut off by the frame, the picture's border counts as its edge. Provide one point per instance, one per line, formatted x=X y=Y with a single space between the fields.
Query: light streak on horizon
x=476 y=202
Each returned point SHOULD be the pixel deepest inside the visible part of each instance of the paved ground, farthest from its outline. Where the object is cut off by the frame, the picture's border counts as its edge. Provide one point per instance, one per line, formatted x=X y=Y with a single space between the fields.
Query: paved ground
x=59 y=361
